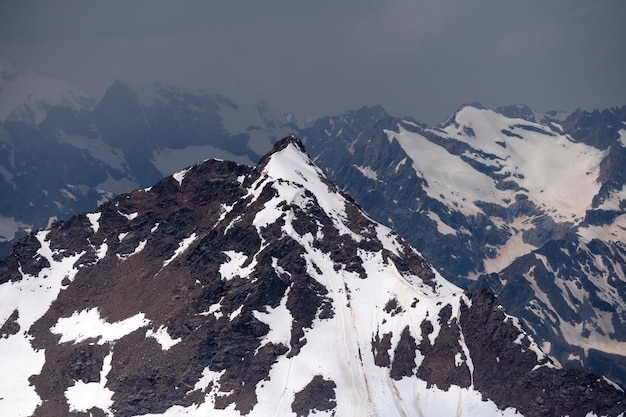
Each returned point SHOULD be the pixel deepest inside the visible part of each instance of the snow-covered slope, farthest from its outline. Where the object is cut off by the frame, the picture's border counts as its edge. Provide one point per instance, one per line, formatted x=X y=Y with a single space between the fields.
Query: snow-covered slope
x=230 y=290
x=27 y=97
x=485 y=193
x=482 y=158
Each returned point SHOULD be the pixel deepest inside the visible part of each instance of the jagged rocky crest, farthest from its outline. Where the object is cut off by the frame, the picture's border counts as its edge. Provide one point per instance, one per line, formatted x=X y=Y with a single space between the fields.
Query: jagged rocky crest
x=233 y=290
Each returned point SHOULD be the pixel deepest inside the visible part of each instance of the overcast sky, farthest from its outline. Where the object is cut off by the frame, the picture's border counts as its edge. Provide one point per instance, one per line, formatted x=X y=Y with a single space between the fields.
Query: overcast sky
x=416 y=58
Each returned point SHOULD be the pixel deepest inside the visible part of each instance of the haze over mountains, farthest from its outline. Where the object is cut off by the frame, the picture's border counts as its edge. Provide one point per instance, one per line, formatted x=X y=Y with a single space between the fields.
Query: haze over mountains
x=529 y=205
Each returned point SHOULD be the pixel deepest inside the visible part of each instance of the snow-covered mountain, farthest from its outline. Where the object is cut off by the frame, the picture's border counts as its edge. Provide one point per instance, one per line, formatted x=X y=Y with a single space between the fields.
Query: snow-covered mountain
x=74 y=153
x=535 y=211
x=234 y=290
x=27 y=97
x=492 y=198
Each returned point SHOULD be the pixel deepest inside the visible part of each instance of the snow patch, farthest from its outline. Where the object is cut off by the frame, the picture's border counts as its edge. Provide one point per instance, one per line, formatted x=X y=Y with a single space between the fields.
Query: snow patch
x=622 y=137
x=94 y=219
x=102 y=250
x=276 y=318
x=88 y=324
x=182 y=246
x=9 y=228
x=442 y=227
x=235 y=313
x=163 y=337
x=130 y=216
x=138 y=249
x=367 y=172
x=180 y=175
x=400 y=165
x=234 y=267
x=214 y=310
x=83 y=396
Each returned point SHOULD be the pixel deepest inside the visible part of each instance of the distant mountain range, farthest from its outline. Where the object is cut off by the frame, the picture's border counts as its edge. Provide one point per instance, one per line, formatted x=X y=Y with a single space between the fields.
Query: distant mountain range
x=230 y=290
x=534 y=211
x=529 y=205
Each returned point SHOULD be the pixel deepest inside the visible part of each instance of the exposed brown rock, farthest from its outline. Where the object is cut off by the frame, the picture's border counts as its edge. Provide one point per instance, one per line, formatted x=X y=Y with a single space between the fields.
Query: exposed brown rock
x=319 y=394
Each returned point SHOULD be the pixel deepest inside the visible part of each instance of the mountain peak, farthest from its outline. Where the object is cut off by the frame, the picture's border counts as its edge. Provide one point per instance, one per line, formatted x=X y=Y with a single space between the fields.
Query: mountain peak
x=281 y=144
x=452 y=118
x=286 y=141
x=233 y=290
x=518 y=111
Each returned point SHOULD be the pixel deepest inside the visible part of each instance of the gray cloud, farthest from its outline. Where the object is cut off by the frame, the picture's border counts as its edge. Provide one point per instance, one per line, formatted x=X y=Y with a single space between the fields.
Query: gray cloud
x=417 y=58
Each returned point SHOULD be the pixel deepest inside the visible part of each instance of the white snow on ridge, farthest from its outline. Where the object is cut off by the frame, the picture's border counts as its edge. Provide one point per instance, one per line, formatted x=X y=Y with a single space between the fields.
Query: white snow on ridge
x=129 y=217
x=332 y=350
x=182 y=246
x=622 y=137
x=447 y=175
x=334 y=343
x=290 y=165
x=180 y=175
x=558 y=172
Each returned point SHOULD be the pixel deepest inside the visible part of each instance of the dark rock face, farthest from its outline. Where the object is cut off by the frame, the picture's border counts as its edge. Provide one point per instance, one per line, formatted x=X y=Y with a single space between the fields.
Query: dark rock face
x=445 y=362
x=589 y=272
x=494 y=341
x=10 y=326
x=520 y=111
x=596 y=128
x=318 y=395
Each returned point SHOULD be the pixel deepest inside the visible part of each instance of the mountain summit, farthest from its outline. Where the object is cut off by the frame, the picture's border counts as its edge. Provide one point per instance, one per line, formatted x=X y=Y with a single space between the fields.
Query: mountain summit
x=230 y=290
